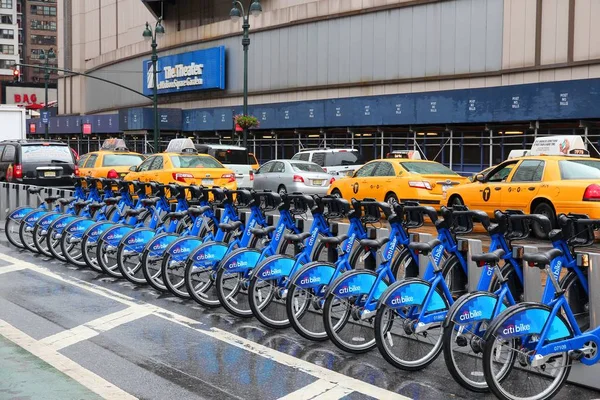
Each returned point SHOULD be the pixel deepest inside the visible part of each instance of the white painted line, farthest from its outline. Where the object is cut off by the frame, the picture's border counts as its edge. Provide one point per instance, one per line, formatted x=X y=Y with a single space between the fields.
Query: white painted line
x=310 y=391
x=11 y=268
x=93 y=328
x=335 y=393
x=65 y=365
x=322 y=373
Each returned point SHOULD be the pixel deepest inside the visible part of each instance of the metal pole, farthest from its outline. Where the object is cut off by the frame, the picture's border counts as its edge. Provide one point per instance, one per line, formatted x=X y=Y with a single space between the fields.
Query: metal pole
x=246 y=44
x=155 y=93
x=451 y=147
x=491 y=148
x=46 y=78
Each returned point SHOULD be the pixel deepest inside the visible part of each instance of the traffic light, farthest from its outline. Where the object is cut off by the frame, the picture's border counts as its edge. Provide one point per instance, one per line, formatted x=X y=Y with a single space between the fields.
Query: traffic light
x=16 y=75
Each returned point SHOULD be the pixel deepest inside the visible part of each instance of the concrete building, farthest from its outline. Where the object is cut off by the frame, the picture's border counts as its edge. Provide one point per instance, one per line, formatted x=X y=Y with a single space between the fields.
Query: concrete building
x=464 y=81
x=40 y=35
x=9 y=38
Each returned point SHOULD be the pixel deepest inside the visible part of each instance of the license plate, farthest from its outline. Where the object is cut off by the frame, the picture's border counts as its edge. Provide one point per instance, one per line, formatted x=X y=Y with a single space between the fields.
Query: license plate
x=49 y=173
x=318 y=182
x=208 y=181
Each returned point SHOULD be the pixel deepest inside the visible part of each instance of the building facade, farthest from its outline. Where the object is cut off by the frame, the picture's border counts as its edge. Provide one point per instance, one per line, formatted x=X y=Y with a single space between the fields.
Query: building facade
x=40 y=35
x=464 y=81
x=9 y=38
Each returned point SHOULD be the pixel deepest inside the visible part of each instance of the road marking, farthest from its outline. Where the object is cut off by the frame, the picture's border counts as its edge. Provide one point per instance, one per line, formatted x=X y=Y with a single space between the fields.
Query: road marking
x=11 y=268
x=94 y=328
x=336 y=392
x=321 y=373
x=63 y=364
x=310 y=391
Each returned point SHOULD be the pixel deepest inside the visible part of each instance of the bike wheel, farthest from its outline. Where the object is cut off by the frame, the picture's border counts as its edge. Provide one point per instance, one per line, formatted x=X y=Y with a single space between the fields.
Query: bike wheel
x=232 y=291
x=268 y=302
x=305 y=312
x=200 y=284
x=53 y=239
x=130 y=265
x=11 y=229
x=39 y=240
x=404 y=266
x=72 y=249
x=173 y=275
x=341 y=317
x=26 y=236
x=399 y=342
x=508 y=372
x=578 y=299
x=88 y=251
x=151 y=269
x=106 y=255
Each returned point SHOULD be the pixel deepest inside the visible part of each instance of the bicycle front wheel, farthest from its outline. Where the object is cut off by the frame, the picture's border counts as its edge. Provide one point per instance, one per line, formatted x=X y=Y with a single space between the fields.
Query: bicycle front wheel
x=130 y=265
x=267 y=302
x=173 y=275
x=305 y=312
x=106 y=255
x=39 y=240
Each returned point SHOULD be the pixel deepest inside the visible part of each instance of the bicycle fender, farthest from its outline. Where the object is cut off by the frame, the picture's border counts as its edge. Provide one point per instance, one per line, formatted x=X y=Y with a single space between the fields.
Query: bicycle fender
x=33 y=217
x=241 y=260
x=18 y=213
x=528 y=319
x=412 y=292
x=136 y=239
x=113 y=235
x=96 y=230
x=354 y=283
x=61 y=223
x=45 y=221
x=78 y=227
x=314 y=274
x=157 y=245
x=274 y=267
x=205 y=255
x=473 y=307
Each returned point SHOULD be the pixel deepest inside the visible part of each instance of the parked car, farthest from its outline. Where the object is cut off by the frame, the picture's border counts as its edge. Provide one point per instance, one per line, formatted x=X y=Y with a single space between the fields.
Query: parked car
x=235 y=158
x=337 y=162
x=288 y=176
x=35 y=162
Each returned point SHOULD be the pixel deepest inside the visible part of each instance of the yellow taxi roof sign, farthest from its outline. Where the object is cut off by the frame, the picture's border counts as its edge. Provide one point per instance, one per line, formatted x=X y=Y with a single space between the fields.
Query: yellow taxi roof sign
x=114 y=145
x=406 y=154
x=183 y=145
x=564 y=145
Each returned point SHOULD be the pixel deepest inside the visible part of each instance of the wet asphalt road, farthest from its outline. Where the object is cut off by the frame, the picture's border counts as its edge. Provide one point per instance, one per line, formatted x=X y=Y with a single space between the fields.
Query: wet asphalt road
x=155 y=346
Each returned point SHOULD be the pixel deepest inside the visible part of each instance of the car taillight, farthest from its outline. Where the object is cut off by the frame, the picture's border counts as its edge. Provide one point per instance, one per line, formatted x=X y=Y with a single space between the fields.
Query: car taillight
x=112 y=174
x=298 y=178
x=76 y=170
x=230 y=177
x=324 y=169
x=592 y=193
x=181 y=177
x=331 y=181
x=420 y=184
x=251 y=176
x=18 y=171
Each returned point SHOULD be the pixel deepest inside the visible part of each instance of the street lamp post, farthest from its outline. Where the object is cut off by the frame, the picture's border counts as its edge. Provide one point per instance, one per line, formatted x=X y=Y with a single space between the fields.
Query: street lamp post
x=149 y=35
x=237 y=12
x=47 y=57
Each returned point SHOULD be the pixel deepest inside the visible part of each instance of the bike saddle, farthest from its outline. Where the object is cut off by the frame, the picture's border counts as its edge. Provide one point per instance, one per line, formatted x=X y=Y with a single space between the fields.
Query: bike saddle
x=197 y=211
x=232 y=226
x=51 y=199
x=491 y=258
x=35 y=190
x=262 y=232
x=81 y=203
x=293 y=238
x=424 y=248
x=334 y=240
x=149 y=202
x=97 y=206
x=134 y=212
x=112 y=200
x=176 y=215
x=540 y=260
x=64 y=202
x=374 y=243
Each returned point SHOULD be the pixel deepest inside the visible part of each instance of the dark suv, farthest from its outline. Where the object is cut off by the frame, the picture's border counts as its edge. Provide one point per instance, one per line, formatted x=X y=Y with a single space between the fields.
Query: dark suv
x=35 y=162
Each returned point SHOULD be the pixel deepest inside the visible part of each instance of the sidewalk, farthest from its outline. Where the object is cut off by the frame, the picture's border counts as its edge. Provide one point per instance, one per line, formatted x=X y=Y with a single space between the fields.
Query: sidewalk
x=24 y=376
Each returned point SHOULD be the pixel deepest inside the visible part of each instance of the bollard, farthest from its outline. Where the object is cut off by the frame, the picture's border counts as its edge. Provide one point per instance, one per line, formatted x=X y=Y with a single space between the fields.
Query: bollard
x=470 y=247
x=3 y=200
x=423 y=260
x=531 y=276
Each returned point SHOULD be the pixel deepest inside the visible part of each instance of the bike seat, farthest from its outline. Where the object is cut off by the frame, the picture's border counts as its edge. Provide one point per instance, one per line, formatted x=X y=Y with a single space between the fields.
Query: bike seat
x=424 y=248
x=64 y=202
x=35 y=190
x=176 y=215
x=491 y=258
x=232 y=226
x=51 y=199
x=540 y=260
x=374 y=243
x=81 y=203
x=111 y=201
x=334 y=240
x=262 y=232
x=197 y=211
x=149 y=202
x=293 y=238
x=97 y=206
x=134 y=212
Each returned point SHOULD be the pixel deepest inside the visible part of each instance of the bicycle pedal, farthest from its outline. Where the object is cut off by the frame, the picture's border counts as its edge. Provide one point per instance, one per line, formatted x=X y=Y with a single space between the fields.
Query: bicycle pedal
x=461 y=341
x=576 y=355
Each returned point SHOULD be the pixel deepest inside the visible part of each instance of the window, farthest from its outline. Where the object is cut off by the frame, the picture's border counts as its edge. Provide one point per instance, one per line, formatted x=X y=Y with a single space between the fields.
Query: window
x=9 y=154
x=1 y=150
x=231 y=156
x=194 y=162
x=43 y=39
x=43 y=25
x=308 y=167
x=319 y=159
x=7 y=64
x=385 y=169
x=338 y=158
x=145 y=166
x=579 y=169
x=82 y=160
x=7 y=49
x=157 y=164
x=6 y=19
x=117 y=160
x=6 y=4
x=367 y=170
x=43 y=10
x=91 y=161
x=499 y=174
x=425 y=168
x=301 y=156
x=41 y=153
x=266 y=168
x=7 y=33
x=278 y=167
x=529 y=171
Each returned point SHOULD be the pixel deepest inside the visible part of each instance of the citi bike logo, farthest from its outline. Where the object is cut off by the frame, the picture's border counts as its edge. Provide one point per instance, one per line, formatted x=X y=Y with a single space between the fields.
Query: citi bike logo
x=182 y=249
x=310 y=279
x=114 y=236
x=96 y=232
x=350 y=242
x=278 y=233
x=467 y=314
x=437 y=255
x=392 y=248
x=159 y=246
x=313 y=236
x=557 y=268
x=271 y=272
x=402 y=299
x=238 y=264
x=77 y=228
x=204 y=256
x=135 y=240
x=252 y=225
x=349 y=289
x=61 y=225
x=516 y=328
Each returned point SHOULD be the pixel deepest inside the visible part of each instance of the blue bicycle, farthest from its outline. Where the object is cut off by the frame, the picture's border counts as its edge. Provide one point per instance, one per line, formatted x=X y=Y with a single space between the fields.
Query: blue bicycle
x=529 y=348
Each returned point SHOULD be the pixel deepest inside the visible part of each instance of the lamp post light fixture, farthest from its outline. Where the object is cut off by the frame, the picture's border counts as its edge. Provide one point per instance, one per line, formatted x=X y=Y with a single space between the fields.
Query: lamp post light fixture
x=46 y=57
x=152 y=36
x=238 y=12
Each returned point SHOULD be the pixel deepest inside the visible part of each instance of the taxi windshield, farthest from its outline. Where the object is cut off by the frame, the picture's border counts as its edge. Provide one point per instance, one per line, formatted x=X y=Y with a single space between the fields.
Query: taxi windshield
x=427 y=168
x=116 y=160
x=195 y=161
x=579 y=169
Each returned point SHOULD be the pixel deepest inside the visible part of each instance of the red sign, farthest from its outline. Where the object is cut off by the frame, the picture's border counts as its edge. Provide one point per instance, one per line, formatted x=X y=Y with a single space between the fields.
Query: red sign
x=32 y=128
x=86 y=129
x=25 y=98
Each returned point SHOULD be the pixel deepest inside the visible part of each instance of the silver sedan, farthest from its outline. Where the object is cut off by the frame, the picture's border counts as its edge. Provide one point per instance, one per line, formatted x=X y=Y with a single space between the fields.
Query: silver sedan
x=288 y=176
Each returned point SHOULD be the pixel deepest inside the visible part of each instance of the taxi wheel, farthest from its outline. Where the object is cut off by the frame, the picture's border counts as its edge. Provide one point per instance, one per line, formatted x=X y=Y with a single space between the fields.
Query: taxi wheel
x=546 y=209
x=336 y=193
x=282 y=190
x=391 y=198
x=456 y=201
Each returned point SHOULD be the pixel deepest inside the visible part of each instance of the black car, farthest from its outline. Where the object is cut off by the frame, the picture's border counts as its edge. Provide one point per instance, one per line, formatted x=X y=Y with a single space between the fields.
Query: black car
x=35 y=162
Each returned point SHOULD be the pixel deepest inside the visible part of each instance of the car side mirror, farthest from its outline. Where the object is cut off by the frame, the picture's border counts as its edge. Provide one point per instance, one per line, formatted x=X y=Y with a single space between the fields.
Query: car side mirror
x=256 y=172
x=133 y=168
x=479 y=178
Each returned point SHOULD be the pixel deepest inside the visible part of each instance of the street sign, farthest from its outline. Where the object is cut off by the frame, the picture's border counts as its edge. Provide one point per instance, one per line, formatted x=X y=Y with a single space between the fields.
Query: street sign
x=45 y=117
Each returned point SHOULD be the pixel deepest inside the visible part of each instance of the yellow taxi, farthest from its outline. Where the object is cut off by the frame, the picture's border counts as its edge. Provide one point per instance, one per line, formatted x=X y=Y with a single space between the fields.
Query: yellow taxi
x=253 y=162
x=181 y=164
x=539 y=183
x=112 y=161
x=399 y=179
